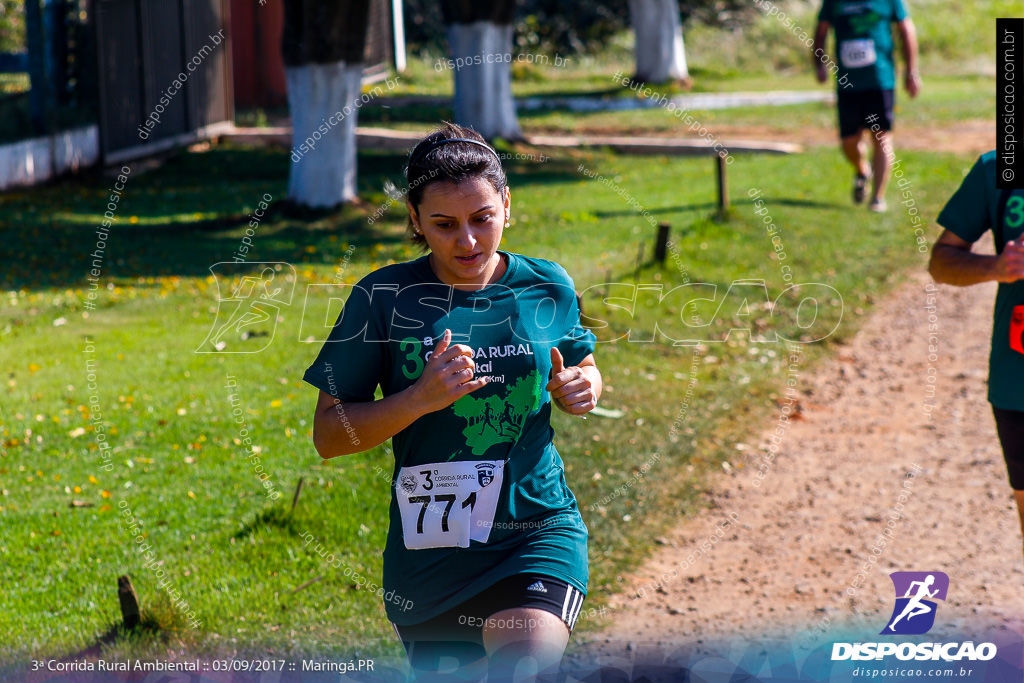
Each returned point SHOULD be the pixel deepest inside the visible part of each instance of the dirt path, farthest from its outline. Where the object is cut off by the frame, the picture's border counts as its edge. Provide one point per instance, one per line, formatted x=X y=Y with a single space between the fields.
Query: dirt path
x=797 y=543
x=973 y=136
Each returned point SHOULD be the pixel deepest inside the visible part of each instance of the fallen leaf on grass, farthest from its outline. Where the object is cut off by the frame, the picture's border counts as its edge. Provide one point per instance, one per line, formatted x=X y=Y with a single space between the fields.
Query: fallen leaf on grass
x=607 y=412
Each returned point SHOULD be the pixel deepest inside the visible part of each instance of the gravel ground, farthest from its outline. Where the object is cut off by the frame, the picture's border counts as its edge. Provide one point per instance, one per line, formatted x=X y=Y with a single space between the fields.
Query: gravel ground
x=786 y=554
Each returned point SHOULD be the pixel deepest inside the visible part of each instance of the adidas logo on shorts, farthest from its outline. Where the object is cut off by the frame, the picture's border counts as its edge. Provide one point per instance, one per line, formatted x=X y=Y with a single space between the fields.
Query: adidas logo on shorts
x=537 y=586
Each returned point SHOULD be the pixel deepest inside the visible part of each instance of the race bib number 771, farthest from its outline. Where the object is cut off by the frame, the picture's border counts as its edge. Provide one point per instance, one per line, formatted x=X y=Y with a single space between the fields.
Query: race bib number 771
x=448 y=504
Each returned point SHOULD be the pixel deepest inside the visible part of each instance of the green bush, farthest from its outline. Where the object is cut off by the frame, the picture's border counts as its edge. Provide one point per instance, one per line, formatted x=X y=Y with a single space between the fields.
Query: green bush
x=12 y=25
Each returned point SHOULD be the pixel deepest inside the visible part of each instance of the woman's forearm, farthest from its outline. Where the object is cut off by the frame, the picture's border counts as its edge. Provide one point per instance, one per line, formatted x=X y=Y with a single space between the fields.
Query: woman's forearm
x=346 y=428
x=343 y=428
x=952 y=265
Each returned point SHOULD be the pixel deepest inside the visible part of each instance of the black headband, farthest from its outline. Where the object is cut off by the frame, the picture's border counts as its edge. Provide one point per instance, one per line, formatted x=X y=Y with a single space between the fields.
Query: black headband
x=438 y=143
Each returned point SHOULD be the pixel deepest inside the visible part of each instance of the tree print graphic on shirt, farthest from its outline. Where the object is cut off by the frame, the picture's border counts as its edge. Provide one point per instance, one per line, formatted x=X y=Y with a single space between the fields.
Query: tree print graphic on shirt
x=500 y=418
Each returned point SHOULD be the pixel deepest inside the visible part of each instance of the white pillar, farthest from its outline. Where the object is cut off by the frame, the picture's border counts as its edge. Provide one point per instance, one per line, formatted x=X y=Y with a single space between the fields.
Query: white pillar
x=321 y=99
x=658 y=33
x=482 y=54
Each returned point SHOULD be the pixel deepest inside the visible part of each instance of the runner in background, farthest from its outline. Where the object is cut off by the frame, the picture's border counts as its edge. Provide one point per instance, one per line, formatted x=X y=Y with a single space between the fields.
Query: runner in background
x=866 y=82
x=471 y=347
x=977 y=207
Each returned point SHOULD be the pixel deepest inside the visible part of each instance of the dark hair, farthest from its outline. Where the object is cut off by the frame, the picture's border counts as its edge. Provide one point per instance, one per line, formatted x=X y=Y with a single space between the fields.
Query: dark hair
x=451 y=162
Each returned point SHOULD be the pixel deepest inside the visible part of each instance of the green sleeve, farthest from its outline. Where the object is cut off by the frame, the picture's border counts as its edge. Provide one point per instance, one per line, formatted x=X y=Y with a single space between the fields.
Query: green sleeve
x=579 y=342
x=899 y=10
x=826 y=11
x=967 y=214
x=351 y=362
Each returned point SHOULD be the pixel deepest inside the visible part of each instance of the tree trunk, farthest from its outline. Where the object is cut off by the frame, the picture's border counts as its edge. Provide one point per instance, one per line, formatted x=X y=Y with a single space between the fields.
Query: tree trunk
x=483 y=91
x=322 y=46
x=480 y=46
x=660 y=55
x=323 y=170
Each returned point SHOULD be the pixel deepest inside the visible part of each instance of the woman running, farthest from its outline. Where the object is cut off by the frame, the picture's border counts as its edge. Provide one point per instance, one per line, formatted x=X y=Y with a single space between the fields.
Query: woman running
x=470 y=347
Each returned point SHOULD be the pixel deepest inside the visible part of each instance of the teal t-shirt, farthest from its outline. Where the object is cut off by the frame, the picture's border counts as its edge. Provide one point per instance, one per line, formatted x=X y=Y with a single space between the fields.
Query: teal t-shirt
x=970 y=212
x=864 y=42
x=478 y=491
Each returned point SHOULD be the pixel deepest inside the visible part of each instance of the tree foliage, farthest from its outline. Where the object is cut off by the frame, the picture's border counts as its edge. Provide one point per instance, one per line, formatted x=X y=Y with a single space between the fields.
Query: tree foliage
x=553 y=26
x=12 y=25
x=725 y=13
x=573 y=26
x=566 y=26
x=317 y=32
x=471 y=11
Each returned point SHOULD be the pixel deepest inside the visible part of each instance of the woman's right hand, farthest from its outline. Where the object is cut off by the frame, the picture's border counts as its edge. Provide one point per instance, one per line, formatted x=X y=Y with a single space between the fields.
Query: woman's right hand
x=1009 y=266
x=447 y=377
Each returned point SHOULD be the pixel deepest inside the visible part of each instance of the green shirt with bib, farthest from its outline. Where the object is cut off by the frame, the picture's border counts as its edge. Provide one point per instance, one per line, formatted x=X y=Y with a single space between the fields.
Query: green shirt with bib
x=478 y=490
x=975 y=208
x=864 y=43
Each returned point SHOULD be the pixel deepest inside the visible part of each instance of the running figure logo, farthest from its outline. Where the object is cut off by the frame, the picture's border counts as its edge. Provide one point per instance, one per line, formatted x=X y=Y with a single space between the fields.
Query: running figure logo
x=916 y=596
x=255 y=299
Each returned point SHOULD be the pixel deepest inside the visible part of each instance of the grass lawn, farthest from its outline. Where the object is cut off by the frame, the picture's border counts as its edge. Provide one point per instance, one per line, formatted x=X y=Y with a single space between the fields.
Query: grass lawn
x=177 y=458
x=945 y=101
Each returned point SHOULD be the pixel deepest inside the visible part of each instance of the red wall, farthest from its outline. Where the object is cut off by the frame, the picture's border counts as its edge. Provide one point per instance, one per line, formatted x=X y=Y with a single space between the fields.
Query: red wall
x=258 y=69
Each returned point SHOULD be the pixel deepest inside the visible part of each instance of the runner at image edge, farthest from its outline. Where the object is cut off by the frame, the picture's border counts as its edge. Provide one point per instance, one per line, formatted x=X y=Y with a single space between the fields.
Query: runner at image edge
x=974 y=209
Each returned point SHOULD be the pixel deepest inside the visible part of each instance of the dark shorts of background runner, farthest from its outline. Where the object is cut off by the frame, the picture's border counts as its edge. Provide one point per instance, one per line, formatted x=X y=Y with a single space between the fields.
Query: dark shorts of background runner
x=858 y=110
x=1010 y=425
x=458 y=633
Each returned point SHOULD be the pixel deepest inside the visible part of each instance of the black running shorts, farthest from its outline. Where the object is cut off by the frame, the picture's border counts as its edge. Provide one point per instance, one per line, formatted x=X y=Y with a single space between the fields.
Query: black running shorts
x=861 y=109
x=458 y=633
x=1010 y=425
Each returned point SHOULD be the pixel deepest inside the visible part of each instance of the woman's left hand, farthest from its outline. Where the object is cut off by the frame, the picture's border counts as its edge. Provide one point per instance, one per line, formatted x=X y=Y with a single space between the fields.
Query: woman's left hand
x=571 y=388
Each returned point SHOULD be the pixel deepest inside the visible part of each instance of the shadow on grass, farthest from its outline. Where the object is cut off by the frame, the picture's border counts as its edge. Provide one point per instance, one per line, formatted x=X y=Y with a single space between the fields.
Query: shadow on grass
x=733 y=206
x=613 y=92
x=175 y=220
x=276 y=517
x=664 y=209
x=799 y=203
x=192 y=211
x=406 y=113
x=161 y=625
